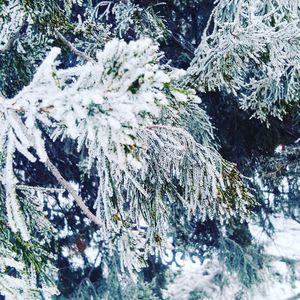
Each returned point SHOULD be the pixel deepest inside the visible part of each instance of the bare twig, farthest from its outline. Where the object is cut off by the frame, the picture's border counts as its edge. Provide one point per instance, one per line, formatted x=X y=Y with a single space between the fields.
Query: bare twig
x=72 y=192
x=38 y=189
x=72 y=47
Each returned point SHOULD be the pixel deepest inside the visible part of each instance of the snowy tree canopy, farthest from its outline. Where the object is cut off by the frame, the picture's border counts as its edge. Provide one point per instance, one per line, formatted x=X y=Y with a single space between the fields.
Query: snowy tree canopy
x=92 y=113
x=125 y=111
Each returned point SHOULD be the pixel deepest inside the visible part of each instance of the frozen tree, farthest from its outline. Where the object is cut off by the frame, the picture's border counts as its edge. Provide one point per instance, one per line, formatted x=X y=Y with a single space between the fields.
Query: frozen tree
x=127 y=117
x=105 y=143
x=124 y=110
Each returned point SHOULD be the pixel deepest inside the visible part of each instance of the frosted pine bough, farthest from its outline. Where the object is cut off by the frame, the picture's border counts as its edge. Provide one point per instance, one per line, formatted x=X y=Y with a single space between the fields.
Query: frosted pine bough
x=125 y=112
x=251 y=49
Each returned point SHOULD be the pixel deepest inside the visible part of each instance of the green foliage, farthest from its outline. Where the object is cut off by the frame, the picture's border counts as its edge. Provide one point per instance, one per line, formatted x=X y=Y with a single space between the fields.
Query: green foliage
x=246 y=262
x=46 y=15
x=26 y=266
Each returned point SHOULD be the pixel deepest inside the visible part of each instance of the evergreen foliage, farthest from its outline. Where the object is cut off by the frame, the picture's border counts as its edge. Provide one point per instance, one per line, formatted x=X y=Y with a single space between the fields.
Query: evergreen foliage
x=105 y=144
x=251 y=49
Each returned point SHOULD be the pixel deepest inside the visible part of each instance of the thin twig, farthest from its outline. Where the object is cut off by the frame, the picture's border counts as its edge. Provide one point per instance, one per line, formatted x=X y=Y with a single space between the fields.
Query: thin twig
x=73 y=193
x=39 y=189
x=72 y=47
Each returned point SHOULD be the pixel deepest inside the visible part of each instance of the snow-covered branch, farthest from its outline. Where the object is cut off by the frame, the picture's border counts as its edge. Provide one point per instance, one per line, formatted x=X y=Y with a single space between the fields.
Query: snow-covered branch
x=126 y=112
x=251 y=49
